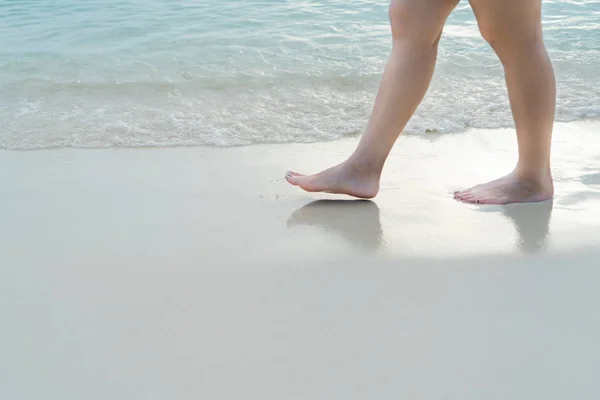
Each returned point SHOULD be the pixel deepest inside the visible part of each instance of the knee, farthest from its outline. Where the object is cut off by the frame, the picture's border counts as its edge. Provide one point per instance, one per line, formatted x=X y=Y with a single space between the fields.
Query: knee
x=491 y=31
x=506 y=38
x=412 y=20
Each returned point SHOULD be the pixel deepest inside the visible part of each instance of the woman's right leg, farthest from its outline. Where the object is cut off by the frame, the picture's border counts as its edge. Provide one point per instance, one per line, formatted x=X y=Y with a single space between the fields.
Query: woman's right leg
x=416 y=29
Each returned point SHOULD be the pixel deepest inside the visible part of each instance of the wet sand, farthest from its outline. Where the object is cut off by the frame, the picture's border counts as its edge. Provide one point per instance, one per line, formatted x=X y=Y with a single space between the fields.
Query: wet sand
x=191 y=273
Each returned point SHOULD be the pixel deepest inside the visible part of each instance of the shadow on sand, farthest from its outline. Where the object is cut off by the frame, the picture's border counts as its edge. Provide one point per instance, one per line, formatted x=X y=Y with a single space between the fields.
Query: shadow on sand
x=356 y=221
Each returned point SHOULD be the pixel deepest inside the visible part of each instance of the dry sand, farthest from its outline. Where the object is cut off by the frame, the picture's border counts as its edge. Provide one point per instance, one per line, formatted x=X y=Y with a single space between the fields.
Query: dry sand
x=198 y=273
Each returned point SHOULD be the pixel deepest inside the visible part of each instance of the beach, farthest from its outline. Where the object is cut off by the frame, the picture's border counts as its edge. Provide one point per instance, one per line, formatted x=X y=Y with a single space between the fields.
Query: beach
x=150 y=247
x=200 y=273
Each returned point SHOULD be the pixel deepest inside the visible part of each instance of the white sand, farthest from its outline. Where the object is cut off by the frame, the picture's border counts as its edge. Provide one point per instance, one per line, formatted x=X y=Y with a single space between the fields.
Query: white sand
x=200 y=274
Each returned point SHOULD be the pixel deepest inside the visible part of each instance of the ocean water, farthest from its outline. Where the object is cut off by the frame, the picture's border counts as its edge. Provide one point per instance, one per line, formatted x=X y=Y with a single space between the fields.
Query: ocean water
x=118 y=73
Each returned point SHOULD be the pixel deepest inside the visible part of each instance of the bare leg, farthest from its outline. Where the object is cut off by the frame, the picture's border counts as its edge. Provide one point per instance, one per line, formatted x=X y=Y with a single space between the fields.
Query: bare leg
x=416 y=29
x=513 y=28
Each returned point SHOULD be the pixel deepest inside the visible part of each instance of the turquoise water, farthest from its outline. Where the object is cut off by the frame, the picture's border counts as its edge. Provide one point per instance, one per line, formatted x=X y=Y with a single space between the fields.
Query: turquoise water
x=101 y=73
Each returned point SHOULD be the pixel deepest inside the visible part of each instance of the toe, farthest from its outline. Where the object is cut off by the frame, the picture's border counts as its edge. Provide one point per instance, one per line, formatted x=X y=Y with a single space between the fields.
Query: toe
x=458 y=194
x=460 y=198
x=292 y=177
x=470 y=198
x=462 y=195
x=304 y=182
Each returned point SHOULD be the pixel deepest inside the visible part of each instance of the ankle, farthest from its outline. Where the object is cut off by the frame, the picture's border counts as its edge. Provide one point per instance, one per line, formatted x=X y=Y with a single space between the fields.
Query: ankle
x=364 y=165
x=536 y=174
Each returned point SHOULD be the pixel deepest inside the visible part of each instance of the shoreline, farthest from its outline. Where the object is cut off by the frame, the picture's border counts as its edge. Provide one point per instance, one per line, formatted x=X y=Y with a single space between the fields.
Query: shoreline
x=580 y=124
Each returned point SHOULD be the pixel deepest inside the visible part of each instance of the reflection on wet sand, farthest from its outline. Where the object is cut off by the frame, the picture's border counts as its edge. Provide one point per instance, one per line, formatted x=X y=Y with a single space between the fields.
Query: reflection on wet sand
x=356 y=221
x=532 y=222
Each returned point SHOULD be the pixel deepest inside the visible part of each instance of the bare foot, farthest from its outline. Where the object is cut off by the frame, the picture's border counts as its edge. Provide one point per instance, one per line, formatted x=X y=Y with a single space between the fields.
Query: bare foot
x=509 y=189
x=342 y=179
